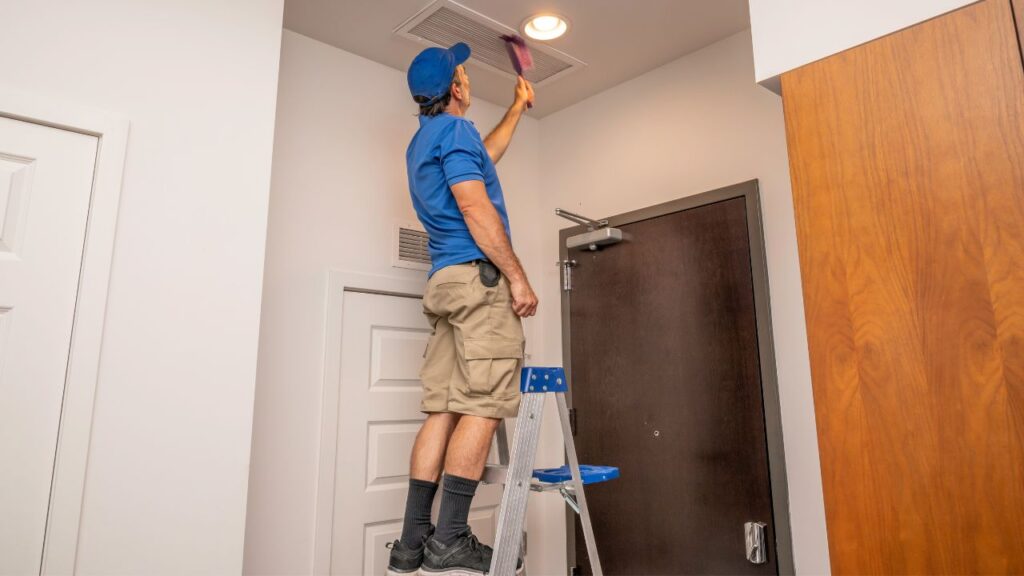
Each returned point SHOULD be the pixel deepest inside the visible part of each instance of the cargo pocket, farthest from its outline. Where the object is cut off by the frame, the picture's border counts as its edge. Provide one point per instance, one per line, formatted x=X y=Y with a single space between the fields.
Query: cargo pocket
x=492 y=365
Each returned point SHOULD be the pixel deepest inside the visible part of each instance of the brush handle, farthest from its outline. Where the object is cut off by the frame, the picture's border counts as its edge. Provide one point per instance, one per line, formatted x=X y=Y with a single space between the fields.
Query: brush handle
x=528 y=103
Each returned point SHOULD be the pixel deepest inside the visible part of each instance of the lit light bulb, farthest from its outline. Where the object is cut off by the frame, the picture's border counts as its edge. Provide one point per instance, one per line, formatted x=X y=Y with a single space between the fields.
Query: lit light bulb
x=545 y=26
x=546 y=23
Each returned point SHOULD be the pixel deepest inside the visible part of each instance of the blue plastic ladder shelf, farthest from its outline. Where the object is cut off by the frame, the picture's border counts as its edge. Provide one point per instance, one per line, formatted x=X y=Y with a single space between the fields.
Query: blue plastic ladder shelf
x=589 y=474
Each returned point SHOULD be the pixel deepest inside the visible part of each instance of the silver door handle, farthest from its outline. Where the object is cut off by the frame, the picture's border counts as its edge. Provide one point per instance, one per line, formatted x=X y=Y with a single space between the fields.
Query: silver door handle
x=757 y=552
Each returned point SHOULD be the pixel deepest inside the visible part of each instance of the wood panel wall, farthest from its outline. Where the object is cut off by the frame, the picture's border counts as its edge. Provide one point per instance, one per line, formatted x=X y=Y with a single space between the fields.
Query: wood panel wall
x=1018 y=14
x=907 y=162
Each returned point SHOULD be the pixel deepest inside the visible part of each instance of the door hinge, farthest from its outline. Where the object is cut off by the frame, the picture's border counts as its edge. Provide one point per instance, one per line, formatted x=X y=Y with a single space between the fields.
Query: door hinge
x=572 y=420
x=754 y=532
x=566 y=266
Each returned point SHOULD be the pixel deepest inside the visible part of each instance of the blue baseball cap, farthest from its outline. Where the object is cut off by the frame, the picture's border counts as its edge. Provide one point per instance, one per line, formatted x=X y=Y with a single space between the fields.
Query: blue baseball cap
x=430 y=73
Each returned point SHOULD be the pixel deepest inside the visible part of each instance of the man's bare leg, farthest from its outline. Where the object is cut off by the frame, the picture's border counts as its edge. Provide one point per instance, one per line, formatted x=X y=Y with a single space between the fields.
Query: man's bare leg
x=428 y=453
x=464 y=464
x=469 y=446
x=424 y=472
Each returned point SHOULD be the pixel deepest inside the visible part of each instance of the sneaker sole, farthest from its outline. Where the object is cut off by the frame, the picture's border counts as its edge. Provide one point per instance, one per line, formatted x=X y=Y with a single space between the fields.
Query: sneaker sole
x=413 y=572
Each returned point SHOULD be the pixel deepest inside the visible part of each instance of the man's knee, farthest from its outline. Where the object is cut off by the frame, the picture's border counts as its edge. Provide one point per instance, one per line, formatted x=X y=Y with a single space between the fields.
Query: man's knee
x=481 y=422
x=446 y=419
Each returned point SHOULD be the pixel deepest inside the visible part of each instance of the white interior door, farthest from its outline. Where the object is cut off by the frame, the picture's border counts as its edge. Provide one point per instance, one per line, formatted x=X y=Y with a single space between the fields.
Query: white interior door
x=46 y=177
x=383 y=339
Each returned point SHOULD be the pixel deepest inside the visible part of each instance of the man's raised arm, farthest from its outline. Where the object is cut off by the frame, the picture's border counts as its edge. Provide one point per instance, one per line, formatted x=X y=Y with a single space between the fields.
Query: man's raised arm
x=497 y=141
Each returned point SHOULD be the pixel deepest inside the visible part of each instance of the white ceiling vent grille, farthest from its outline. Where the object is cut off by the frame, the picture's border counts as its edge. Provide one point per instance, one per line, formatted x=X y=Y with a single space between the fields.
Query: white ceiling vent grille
x=411 y=248
x=444 y=23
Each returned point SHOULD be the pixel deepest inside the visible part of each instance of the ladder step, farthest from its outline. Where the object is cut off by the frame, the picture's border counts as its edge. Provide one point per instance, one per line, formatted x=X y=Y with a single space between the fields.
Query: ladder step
x=589 y=474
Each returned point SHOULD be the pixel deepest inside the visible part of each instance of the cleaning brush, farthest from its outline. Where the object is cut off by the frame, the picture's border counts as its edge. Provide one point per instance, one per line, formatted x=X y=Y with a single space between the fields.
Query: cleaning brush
x=519 y=54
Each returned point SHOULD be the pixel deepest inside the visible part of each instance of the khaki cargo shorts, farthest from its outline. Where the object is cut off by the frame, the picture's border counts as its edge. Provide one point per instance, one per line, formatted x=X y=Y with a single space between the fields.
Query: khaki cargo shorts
x=475 y=354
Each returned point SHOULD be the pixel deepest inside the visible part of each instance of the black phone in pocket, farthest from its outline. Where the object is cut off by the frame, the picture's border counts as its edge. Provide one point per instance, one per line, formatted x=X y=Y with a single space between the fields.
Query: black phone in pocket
x=489 y=273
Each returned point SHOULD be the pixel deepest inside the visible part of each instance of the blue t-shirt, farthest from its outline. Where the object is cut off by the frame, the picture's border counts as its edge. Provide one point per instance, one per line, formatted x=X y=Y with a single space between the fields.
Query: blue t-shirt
x=447 y=150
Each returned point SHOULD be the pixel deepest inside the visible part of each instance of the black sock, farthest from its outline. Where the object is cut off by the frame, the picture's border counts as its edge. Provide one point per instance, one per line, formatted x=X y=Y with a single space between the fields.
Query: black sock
x=417 y=512
x=455 y=500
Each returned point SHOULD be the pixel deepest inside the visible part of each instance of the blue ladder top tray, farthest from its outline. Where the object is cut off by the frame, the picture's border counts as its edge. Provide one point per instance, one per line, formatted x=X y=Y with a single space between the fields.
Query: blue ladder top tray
x=590 y=474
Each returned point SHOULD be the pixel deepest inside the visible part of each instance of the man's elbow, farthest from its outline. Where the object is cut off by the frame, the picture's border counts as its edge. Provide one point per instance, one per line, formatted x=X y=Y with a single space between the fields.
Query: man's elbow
x=476 y=211
x=471 y=198
x=470 y=210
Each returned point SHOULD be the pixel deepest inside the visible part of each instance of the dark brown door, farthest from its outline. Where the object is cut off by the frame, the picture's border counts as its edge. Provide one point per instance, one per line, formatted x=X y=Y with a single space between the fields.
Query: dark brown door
x=666 y=385
x=907 y=159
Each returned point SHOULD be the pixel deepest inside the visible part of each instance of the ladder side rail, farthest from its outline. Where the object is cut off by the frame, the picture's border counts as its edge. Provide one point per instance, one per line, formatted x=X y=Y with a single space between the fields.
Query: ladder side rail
x=577 y=483
x=512 y=516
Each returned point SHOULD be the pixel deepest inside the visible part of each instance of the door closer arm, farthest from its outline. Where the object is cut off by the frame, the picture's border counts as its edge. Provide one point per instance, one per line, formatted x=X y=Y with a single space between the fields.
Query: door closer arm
x=598 y=233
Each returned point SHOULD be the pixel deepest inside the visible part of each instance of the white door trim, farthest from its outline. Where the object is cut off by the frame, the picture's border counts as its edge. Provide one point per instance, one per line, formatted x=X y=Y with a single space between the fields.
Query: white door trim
x=61 y=541
x=337 y=284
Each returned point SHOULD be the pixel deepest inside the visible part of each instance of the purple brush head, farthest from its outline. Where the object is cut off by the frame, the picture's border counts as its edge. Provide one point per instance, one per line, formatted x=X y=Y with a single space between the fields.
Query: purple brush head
x=518 y=53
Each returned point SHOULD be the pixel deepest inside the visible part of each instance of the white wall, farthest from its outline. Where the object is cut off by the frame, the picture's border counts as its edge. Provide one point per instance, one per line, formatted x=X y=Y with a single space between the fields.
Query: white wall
x=693 y=125
x=168 y=468
x=790 y=33
x=338 y=187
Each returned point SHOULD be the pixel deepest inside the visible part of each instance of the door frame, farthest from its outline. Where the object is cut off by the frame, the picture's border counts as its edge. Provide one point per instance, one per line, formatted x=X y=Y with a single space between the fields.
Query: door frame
x=60 y=541
x=748 y=191
x=338 y=284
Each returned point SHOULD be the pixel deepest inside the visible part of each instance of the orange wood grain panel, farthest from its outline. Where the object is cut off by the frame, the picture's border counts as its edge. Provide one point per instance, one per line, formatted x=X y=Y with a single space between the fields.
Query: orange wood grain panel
x=907 y=163
x=1018 y=14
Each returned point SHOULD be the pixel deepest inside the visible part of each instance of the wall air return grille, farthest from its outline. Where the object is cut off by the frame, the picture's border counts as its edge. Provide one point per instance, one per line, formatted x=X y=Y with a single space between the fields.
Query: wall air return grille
x=411 y=248
x=444 y=23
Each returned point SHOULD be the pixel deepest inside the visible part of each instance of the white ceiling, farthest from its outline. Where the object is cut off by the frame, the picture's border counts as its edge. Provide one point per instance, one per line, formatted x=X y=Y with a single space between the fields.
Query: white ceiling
x=618 y=39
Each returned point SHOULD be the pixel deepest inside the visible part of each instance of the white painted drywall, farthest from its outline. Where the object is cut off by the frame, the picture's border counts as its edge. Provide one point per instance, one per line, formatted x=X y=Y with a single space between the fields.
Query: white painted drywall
x=790 y=33
x=165 y=491
x=339 y=185
x=693 y=125
x=338 y=188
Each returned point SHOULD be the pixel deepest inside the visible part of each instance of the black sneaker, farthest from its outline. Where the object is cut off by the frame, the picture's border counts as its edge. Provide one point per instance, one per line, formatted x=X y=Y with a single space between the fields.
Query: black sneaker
x=464 y=557
x=405 y=560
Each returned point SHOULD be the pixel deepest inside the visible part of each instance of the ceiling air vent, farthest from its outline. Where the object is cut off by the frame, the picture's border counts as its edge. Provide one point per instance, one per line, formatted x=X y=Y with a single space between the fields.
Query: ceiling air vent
x=411 y=248
x=444 y=23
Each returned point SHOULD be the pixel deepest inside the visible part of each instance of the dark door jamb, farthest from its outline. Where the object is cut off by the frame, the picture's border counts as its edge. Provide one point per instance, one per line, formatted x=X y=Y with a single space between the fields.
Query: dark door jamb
x=766 y=349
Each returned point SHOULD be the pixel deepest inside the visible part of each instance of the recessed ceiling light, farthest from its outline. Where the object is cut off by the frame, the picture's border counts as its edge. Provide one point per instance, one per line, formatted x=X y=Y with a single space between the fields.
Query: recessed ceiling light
x=545 y=26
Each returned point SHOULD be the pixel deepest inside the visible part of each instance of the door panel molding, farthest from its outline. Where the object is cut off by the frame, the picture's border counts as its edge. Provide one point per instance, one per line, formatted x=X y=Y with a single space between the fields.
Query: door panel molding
x=748 y=191
x=338 y=284
x=63 y=518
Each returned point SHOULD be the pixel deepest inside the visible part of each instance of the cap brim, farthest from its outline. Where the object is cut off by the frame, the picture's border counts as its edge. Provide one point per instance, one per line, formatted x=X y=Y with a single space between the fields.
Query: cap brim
x=461 y=52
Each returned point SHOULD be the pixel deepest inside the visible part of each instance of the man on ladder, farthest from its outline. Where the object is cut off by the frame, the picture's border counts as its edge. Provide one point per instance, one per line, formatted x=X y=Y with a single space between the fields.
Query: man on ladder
x=475 y=298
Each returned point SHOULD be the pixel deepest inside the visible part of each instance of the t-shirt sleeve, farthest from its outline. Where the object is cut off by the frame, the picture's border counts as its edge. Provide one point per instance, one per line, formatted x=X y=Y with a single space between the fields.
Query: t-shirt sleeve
x=460 y=154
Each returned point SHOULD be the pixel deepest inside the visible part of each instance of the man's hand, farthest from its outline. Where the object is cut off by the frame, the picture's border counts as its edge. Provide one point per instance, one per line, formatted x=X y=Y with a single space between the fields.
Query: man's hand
x=524 y=301
x=524 y=94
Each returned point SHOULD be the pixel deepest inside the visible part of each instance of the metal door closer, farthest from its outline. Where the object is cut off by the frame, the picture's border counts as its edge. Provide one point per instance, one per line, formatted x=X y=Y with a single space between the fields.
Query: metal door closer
x=598 y=234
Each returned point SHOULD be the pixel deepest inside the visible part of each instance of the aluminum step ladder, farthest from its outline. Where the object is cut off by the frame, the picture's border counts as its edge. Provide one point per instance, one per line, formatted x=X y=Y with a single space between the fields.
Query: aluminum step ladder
x=519 y=477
